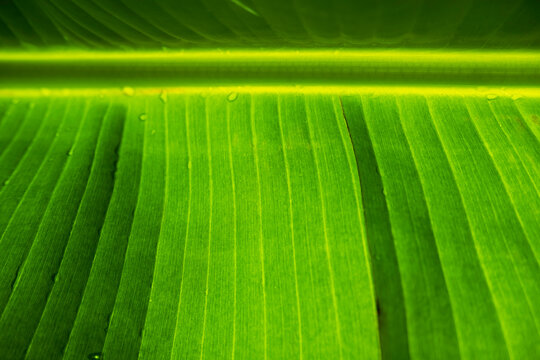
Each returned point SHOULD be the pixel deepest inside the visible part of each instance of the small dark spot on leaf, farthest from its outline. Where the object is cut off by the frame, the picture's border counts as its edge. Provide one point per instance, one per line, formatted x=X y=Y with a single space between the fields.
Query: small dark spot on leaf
x=12 y=285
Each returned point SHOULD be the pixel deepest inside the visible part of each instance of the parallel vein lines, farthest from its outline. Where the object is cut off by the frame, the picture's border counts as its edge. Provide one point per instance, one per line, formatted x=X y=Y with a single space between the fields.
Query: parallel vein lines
x=17 y=127
x=516 y=152
x=393 y=331
x=454 y=240
x=38 y=33
x=347 y=143
x=501 y=178
x=325 y=230
x=210 y=210
x=47 y=209
x=101 y=288
x=94 y=35
x=4 y=177
x=188 y=218
x=425 y=295
x=522 y=226
x=476 y=234
x=505 y=182
x=72 y=277
x=436 y=245
x=278 y=23
x=291 y=223
x=23 y=200
x=43 y=233
x=464 y=157
x=30 y=180
x=261 y=237
x=233 y=184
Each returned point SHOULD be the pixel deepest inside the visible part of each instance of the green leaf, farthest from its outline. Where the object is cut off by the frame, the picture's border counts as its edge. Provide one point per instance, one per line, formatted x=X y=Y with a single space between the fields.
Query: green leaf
x=245 y=227
x=307 y=23
x=254 y=179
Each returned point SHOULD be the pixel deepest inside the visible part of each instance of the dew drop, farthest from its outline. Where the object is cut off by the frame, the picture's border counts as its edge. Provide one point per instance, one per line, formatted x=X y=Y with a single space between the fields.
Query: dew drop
x=189 y=164
x=516 y=97
x=95 y=356
x=491 y=96
x=70 y=152
x=6 y=182
x=143 y=117
x=232 y=96
x=163 y=96
x=128 y=91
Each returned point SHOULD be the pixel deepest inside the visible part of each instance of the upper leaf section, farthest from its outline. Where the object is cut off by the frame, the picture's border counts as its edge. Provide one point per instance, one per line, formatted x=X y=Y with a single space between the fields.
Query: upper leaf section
x=151 y=24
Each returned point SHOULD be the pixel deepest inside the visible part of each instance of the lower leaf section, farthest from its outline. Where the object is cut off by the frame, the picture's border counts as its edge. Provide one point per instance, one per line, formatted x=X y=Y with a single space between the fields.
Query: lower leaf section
x=269 y=225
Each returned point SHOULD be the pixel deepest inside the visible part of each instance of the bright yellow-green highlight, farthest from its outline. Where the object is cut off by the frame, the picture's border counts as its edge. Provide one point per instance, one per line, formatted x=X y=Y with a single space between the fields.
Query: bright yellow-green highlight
x=327 y=68
x=488 y=92
x=389 y=56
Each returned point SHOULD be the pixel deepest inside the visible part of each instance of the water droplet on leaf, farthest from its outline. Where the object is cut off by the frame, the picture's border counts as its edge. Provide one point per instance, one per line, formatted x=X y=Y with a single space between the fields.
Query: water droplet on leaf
x=143 y=117
x=95 y=356
x=70 y=152
x=516 y=97
x=232 y=96
x=128 y=91
x=189 y=164
x=163 y=96
x=491 y=96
